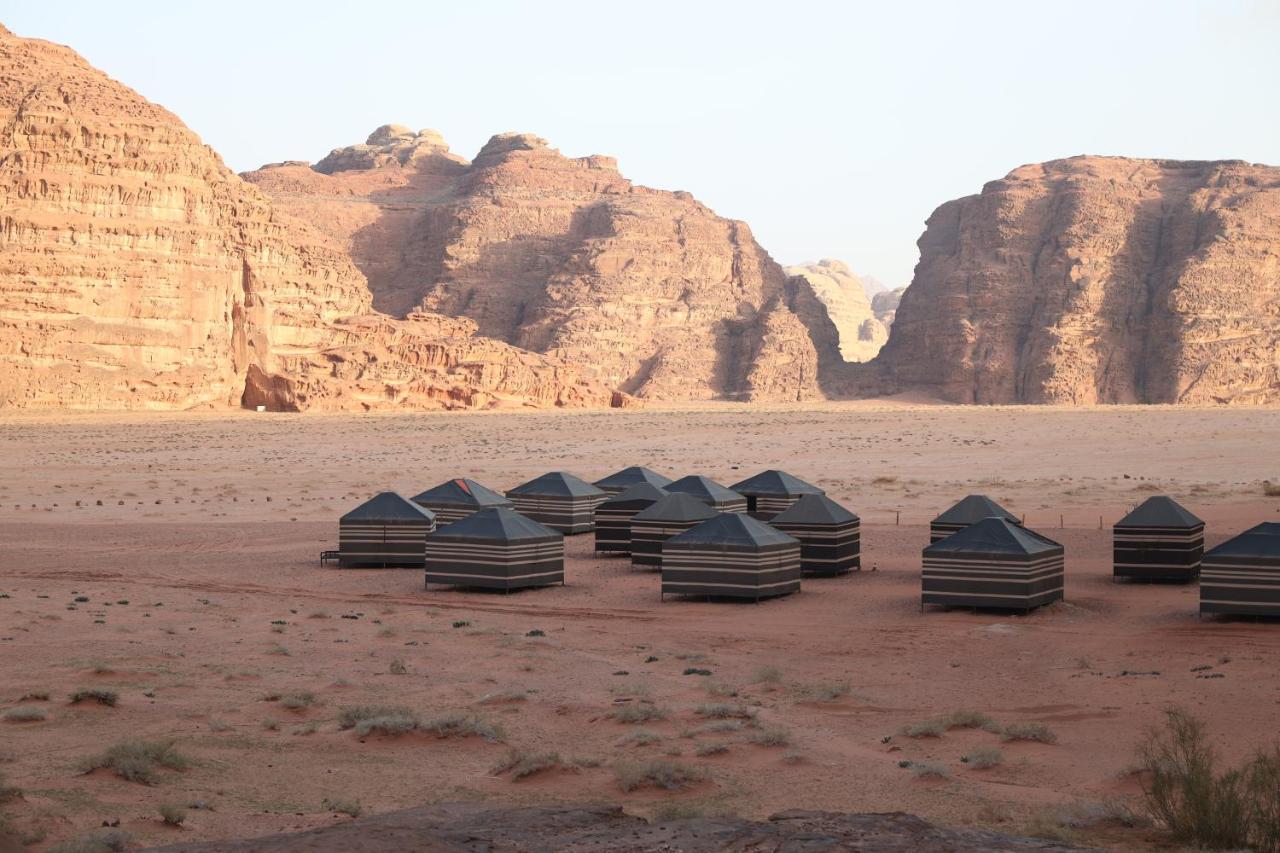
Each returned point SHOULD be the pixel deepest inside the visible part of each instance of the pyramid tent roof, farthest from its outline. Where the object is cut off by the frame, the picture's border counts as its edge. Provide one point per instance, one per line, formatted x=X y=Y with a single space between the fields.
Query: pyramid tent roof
x=704 y=487
x=461 y=491
x=500 y=523
x=559 y=484
x=1160 y=511
x=1248 y=544
x=814 y=509
x=993 y=536
x=734 y=529
x=638 y=492
x=676 y=506
x=972 y=509
x=774 y=482
x=631 y=476
x=388 y=507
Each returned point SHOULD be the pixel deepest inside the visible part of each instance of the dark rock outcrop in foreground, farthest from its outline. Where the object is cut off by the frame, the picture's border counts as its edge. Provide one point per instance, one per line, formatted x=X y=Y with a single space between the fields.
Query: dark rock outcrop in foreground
x=459 y=827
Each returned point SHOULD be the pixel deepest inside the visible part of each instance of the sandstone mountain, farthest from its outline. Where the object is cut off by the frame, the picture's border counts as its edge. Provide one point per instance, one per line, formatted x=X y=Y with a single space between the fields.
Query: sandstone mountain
x=1098 y=280
x=862 y=328
x=650 y=291
x=137 y=271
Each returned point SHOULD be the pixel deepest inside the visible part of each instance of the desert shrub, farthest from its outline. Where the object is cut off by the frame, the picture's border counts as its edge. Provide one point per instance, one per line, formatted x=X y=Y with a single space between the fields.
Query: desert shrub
x=297 y=700
x=35 y=696
x=102 y=841
x=822 y=692
x=1038 y=732
x=969 y=720
x=726 y=691
x=8 y=792
x=462 y=623
x=724 y=711
x=925 y=728
x=521 y=765
x=503 y=697
x=536 y=632
x=983 y=758
x=350 y=808
x=25 y=715
x=1270 y=489
x=704 y=749
x=585 y=761
x=95 y=694
x=770 y=736
x=639 y=712
x=929 y=770
x=462 y=725
x=1232 y=809
x=138 y=760
x=668 y=775
x=173 y=814
x=391 y=725
x=636 y=689
x=694 y=670
x=349 y=718
x=767 y=675
x=642 y=737
x=278 y=649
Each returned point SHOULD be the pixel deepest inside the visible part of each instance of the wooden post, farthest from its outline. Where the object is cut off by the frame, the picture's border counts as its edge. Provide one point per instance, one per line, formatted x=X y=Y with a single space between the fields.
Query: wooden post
x=897 y=517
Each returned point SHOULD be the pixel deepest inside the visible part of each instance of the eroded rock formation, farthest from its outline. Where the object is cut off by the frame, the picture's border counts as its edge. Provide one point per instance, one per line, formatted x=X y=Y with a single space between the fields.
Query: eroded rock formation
x=1098 y=280
x=136 y=271
x=646 y=290
x=862 y=329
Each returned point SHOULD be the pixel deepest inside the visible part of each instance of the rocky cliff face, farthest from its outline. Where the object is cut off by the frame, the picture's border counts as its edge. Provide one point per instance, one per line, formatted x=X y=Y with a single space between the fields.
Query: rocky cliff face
x=645 y=290
x=1098 y=280
x=136 y=271
x=862 y=329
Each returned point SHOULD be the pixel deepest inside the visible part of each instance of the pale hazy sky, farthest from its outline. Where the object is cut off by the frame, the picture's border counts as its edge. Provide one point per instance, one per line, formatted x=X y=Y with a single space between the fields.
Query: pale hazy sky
x=834 y=129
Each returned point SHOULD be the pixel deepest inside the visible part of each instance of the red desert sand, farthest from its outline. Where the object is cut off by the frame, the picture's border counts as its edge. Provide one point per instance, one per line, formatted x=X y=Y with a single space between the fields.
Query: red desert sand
x=172 y=560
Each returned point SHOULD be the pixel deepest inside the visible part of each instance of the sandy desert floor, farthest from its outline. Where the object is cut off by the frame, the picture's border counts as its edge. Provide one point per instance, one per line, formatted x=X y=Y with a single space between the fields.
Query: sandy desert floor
x=172 y=559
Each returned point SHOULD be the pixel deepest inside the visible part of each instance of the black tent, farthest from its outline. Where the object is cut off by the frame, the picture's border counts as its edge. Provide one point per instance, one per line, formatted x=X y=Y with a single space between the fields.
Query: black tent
x=770 y=492
x=496 y=548
x=385 y=531
x=1242 y=575
x=969 y=510
x=733 y=556
x=1159 y=540
x=650 y=527
x=613 y=517
x=710 y=493
x=458 y=498
x=560 y=501
x=619 y=481
x=993 y=563
x=830 y=535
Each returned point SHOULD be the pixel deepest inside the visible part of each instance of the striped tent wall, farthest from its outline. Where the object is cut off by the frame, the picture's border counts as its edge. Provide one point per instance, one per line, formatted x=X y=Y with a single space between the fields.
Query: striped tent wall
x=729 y=505
x=827 y=549
x=765 y=507
x=566 y=514
x=1004 y=581
x=383 y=544
x=1240 y=584
x=494 y=565
x=613 y=529
x=1158 y=553
x=939 y=531
x=647 y=538
x=716 y=571
x=448 y=514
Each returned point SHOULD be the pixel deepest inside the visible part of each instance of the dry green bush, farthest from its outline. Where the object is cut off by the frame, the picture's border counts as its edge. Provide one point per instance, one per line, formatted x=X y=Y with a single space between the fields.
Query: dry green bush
x=770 y=736
x=930 y=770
x=724 y=711
x=138 y=760
x=521 y=764
x=1038 y=732
x=822 y=692
x=26 y=715
x=668 y=775
x=983 y=758
x=350 y=808
x=102 y=841
x=702 y=750
x=459 y=724
x=717 y=727
x=767 y=675
x=640 y=712
x=643 y=737
x=1185 y=791
x=349 y=718
x=297 y=700
x=925 y=728
x=95 y=694
x=173 y=814
x=1270 y=489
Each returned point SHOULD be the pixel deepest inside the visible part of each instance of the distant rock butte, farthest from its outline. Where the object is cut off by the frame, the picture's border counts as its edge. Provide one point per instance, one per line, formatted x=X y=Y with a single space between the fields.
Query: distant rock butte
x=1098 y=280
x=862 y=329
x=136 y=271
x=645 y=290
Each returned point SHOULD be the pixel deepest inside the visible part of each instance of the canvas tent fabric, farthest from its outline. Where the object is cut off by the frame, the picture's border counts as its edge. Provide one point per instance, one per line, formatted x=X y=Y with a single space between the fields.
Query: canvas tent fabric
x=560 y=501
x=993 y=563
x=830 y=536
x=456 y=499
x=619 y=481
x=710 y=492
x=770 y=492
x=675 y=513
x=613 y=517
x=731 y=556
x=495 y=548
x=1160 y=540
x=383 y=532
x=1241 y=577
x=964 y=512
